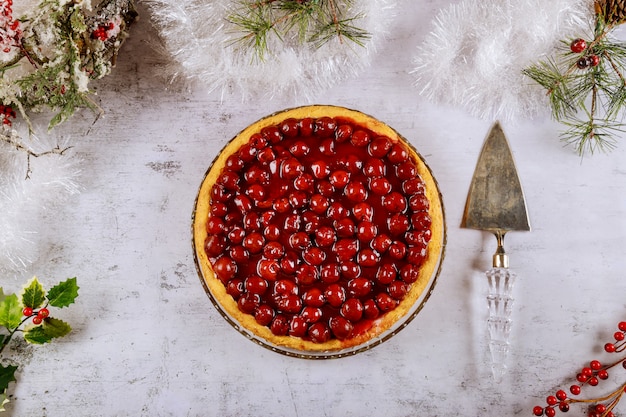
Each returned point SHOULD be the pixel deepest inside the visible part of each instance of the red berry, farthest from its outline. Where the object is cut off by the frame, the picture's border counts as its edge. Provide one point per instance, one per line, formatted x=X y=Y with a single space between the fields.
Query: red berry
x=225 y=268
x=374 y=168
x=37 y=320
x=352 y=310
x=27 y=311
x=335 y=295
x=622 y=326
x=609 y=347
x=550 y=412
x=249 y=302
x=379 y=147
x=394 y=202
x=307 y=275
x=264 y=315
x=343 y=133
x=370 y=310
x=360 y=138
x=314 y=298
x=551 y=400
x=339 y=179
x=575 y=389
x=578 y=45
x=603 y=374
x=341 y=328
x=561 y=395
x=330 y=273
x=593 y=381
x=280 y=325
x=298 y=327
x=595 y=365
x=320 y=169
x=319 y=332
x=619 y=336
x=582 y=63
x=593 y=60
x=359 y=287
x=380 y=186
x=311 y=314
x=538 y=411
x=43 y=313
x=355 y=191
x=564 y=406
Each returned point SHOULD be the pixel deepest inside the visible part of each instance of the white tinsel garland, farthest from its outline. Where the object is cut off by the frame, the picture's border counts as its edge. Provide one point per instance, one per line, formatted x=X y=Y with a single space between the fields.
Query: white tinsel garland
x=475 y=54
x=26 y=204
x=198 y=36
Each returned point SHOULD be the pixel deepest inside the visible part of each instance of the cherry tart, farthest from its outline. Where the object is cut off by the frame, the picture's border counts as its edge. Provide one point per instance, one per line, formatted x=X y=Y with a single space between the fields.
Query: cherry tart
x=318 y=231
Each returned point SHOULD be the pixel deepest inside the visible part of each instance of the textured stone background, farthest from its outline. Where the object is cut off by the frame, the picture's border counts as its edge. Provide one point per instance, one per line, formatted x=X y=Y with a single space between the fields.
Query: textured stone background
x=147 y=341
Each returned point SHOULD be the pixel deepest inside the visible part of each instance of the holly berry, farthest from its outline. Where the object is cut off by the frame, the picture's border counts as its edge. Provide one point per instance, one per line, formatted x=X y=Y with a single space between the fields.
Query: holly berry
x=37 y=320
x=27 y=311
x=593 y=60
x=43 y=313
x=578 y=45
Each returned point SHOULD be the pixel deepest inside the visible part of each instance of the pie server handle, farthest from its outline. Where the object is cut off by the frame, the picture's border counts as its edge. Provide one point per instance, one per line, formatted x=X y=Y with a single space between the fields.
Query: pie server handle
x=500 y=303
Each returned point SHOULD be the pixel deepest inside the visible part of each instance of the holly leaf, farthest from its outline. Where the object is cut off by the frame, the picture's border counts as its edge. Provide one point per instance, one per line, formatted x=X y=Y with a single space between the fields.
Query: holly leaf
x=7 y=375
x=64 y=293
x=50 y=329
x=33 y=294
x=10 y=312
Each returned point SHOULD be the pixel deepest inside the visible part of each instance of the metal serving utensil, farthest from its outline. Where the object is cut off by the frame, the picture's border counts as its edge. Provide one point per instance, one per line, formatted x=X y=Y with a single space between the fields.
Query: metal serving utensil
x=495 y=203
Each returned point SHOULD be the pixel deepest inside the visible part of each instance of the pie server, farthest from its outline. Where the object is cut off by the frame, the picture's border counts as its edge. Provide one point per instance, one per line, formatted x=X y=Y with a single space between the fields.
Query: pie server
x=496 y=204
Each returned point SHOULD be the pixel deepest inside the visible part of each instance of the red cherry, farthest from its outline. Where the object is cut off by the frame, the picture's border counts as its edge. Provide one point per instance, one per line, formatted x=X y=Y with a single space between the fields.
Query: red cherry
x=330 y=273
x=254 y=242
x=368 y=258
x=394 y=202
x=379 y=147
x=291 y=168
x=346 y=249
x=370 y=310
x=243 y=203
x=398 y=224
x=325 y=236
x=265 y=156
x=285 y=287
x=352 y=310
x=363 y=212
x=336 y=211
x=381 y=243
x=366 y=231
x=325 y=188
x=335 y=295
x=413 y=186
x=340 y=327
x=293 y=222
x=314 y=256
x=397 y=289
x=299 y=149
x=246 y=153
x=578 y=45
x=319 y=204
x=327 y=147
x=304 y=182
x=229 y=180
x=307 y=275
x=249 y=302
x=406 y=170
x=386 y=274
x=273 y=250
x=268 y=269
x=397 y=250
x=311 y=314
x=409 y=273
x=215 y=226
x=359 y=287
x=264 y=315
x=374 y=168
x=320 y=169
x=234 y=163
x=299 y=240
x=397 y=154
x=319 y=332
x=360 y=138
x=225 y=268
x=256 y=285
x=280 y=325
x=345 y=227
x=298 y=327
x=380 y=186
x=339 y=178
x=343 y=133
x=290 y=304
x=298 y=199
x=325 y=126
x=385 y=302
x=290 y=263
x=213 y=245
x=349 y=269
x=307 y=126
x=290 y=128
x=314 y=297
x=356 y=192
x=272 y=134
x=235 y=288
x=271 y=232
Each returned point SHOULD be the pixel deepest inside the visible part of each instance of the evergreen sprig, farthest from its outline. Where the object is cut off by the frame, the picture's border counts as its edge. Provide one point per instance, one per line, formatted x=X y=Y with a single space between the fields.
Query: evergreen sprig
x=294 y=22
x=587 y=89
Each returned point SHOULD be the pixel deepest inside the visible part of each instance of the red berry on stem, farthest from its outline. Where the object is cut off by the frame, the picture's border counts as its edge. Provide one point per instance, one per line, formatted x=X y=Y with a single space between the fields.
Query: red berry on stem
x=538 y=410
x=609 y=347
x=578 y=45
x=593 y=60
x=43 y=313
x=575 y=389
x=37 y=320
x=28 y=311
x=622 y=326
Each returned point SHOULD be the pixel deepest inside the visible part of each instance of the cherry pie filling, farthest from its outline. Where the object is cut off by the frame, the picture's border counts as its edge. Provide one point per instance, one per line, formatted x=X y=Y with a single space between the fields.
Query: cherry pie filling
x=318 y=227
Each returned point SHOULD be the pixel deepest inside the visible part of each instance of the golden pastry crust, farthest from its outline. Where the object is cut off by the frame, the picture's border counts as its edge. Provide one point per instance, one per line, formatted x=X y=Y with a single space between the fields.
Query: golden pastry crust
x=419 y=290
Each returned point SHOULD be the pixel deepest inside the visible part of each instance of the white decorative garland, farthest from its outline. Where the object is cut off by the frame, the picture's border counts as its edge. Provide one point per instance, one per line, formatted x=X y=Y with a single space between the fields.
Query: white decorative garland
x=475 y=54
x=200 y=40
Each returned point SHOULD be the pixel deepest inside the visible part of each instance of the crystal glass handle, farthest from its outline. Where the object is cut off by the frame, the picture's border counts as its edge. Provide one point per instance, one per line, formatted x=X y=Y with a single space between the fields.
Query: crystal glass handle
x=500 y=303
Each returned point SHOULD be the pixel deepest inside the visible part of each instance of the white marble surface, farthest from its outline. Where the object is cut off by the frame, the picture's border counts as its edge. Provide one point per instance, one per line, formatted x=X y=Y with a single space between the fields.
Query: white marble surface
x=147 y=341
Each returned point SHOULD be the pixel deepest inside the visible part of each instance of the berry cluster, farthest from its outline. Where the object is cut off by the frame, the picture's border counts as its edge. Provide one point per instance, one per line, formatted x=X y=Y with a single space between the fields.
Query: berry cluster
x=591 y=374
x=6 y=112
x=38 y=315
x=10 y=32
x=589 y=58
x=103 y=32
x=316 y=225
